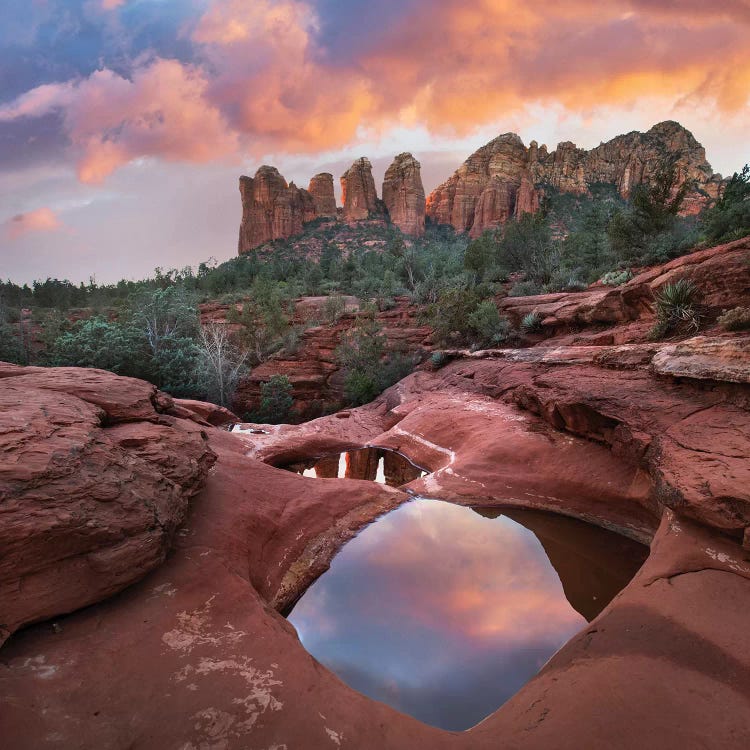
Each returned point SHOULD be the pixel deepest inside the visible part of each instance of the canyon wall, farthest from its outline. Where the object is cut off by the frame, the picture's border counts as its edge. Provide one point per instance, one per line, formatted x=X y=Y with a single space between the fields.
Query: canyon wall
x=504 y=179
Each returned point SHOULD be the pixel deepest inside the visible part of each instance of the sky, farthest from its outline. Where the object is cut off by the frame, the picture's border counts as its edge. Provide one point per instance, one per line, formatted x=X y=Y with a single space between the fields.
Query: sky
x=124 y=124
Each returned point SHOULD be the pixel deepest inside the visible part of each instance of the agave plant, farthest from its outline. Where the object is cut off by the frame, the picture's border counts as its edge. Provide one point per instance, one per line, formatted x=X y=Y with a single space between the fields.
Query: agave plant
x=676 y=307
x=531 y=322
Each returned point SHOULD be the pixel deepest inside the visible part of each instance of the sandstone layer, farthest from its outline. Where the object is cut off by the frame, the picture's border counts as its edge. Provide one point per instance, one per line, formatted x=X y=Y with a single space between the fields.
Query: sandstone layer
x=358 y=191
x=403 y=195
x=504 y=179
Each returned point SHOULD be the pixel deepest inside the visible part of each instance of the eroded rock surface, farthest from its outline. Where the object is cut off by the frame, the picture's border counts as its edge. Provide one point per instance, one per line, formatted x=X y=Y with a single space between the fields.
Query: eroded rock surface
x=504 y=179
x=403 y=194
x=358 y=191
x=86 y=508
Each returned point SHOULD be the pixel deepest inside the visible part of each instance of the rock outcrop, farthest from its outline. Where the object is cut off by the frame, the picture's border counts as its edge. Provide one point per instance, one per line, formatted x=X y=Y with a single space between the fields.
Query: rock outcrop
x=95 y=479
x=321 y=190
x=274 y=210
x=358 y=191
x=504 y=179
x=403 y=195
x=595 y=433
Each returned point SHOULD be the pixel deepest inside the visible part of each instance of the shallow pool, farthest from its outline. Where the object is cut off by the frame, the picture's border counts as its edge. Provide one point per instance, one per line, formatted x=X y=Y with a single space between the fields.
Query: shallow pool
x=444 y=611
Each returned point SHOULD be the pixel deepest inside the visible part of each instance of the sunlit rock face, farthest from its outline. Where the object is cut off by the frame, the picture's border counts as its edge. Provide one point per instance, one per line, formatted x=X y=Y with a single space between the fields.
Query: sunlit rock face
x=403 y=195
x=321 y=190
x=358 y=192
x=444 y=613
x=275 y=210
x=504 y=179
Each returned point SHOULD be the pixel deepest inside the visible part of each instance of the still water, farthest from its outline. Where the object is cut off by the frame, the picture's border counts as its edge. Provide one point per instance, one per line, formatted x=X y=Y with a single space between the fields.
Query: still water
x=444 y=612
x=376 y=464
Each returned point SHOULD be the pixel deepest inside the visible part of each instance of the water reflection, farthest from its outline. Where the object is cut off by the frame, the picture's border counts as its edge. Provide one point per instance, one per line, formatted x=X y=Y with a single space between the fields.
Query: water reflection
x=375 y=464
x=444 y=613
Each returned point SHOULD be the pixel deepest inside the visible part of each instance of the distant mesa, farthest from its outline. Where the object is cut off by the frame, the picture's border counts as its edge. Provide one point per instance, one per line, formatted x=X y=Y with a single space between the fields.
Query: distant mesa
x=500 y=181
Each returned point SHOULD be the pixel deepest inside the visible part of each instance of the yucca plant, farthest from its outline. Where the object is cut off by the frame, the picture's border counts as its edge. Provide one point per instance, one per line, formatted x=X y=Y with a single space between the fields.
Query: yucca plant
x=531 y=322
x=676 y=308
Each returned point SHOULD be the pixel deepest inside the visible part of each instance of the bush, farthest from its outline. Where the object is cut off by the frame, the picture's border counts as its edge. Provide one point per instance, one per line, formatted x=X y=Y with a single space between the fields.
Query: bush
x=488 y=326
x=729 y=219
x=676 y=308
x=438 y=360
x=531 y=323
x=276 y=401
x=617 y=278
x=737 y=319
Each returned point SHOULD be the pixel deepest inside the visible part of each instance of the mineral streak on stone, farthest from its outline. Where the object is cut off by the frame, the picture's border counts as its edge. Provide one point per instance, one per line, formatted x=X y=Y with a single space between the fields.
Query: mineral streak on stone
x=403 y=195
x=321 y=190
x=358 y=191
x=504 y=179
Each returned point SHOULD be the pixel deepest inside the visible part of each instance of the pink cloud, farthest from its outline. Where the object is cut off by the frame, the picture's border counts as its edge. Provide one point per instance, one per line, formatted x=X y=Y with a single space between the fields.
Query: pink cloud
x=38 y=220
x=265 y=85
x=111 y=120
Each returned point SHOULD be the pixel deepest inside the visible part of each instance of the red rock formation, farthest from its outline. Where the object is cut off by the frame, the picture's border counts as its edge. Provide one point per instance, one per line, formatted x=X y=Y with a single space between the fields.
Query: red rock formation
x=653 y=457
x=403 y=195
x=94 y=483
x=321 y=190
x=358 y=191
x=504 y=179
x=271 y=209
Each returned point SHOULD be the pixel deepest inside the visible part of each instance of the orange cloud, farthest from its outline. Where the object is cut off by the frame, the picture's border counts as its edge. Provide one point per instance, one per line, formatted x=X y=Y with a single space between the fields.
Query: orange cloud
x=271 y=80
x=39 y=220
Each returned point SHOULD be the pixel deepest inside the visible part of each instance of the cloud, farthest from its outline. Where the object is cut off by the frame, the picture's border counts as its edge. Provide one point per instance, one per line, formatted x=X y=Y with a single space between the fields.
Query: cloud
x=297 y=76
x=111 y=120
x=40 y=220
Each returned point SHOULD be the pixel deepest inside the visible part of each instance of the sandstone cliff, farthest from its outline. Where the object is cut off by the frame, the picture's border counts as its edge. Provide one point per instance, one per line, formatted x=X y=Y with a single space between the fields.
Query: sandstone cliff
x=321 y=190
x=504 y=178
x=358 y=191
x=404 y=196
x=273 y=209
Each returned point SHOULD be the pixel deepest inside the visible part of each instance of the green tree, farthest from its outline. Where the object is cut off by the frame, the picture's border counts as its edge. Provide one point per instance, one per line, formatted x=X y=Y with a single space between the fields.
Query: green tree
x=729 y=219
x=276 y=400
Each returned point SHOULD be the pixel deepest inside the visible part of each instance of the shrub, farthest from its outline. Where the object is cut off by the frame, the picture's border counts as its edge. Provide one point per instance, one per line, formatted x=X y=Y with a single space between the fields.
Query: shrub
x=438 y=360
x=276 y=400
x=617 y=278
x=676 y=308
x=729 y=219
x=737 y=319
x=531 y=322
x=489 y=327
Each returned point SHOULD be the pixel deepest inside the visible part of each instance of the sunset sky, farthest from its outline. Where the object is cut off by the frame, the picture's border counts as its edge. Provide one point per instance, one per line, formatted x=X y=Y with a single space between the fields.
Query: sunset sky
x=124 y=124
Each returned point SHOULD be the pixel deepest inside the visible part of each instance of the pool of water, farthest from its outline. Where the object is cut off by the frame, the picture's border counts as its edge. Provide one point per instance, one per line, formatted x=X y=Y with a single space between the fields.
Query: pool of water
x=375 y=464
x=444 y=611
